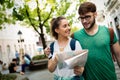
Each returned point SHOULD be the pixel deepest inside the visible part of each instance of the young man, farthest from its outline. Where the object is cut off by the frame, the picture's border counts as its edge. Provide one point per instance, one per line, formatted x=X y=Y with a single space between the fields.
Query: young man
x=96 y=39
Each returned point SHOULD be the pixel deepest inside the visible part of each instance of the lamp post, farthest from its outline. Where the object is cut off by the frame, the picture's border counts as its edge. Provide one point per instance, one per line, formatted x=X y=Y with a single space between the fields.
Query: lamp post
x=20 y=40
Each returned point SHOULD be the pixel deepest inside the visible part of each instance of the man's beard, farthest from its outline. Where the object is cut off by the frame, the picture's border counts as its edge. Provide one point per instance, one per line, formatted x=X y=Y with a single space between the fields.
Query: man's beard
x=92 y=24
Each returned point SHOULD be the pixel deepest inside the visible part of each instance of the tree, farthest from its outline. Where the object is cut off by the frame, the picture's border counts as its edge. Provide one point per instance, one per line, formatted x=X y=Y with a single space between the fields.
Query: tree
x=5 y=17
x=42 y=12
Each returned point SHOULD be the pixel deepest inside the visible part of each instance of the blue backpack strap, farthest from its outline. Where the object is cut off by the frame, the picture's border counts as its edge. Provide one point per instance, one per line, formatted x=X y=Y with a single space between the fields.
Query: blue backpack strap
x=72 y=44
x=52 y=47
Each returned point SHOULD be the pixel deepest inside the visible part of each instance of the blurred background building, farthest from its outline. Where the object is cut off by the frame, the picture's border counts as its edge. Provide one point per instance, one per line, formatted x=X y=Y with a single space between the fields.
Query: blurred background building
x=15 y=38
x=112 y=13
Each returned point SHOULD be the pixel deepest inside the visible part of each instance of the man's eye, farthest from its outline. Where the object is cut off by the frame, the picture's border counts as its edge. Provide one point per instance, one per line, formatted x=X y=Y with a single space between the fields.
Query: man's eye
x=87 y=16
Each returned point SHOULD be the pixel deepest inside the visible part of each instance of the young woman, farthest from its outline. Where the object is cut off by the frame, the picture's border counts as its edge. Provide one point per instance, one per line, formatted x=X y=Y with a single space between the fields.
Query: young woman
x=60 y=30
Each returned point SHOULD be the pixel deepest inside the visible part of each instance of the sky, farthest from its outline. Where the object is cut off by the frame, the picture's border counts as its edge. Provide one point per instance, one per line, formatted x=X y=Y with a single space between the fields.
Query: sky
x=99 y=4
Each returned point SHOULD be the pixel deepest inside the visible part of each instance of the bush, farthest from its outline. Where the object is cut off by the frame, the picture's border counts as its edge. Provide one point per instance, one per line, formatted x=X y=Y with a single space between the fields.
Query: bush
x=38 y=57
x=7 y=77
x=13 y=76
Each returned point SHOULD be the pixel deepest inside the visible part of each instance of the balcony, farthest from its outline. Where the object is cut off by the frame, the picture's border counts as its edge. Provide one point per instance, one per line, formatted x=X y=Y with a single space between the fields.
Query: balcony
x=109 y=4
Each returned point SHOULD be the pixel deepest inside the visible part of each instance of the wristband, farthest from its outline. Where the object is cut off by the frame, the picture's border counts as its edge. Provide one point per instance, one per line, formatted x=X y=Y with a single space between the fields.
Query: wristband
x=50 y=56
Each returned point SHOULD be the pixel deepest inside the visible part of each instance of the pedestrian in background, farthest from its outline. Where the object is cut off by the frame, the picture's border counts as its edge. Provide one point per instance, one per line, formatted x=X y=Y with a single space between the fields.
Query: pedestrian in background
x=13 y=66
x=17 y=57
x=1 y=64
x=28 y=56
x=25 y=63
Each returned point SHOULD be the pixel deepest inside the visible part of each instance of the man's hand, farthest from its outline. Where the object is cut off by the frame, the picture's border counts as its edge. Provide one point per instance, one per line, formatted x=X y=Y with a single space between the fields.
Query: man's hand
x=78 y=70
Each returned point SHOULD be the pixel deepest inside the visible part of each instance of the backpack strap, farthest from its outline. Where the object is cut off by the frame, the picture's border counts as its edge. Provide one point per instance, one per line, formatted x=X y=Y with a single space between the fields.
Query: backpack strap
x=111 y=42
x=72 y=44
x=52 y=47
x=111 y=36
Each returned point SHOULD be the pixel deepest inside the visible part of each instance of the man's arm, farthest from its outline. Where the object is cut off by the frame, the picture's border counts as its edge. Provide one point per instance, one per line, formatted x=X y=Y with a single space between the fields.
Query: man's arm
x=116 y=48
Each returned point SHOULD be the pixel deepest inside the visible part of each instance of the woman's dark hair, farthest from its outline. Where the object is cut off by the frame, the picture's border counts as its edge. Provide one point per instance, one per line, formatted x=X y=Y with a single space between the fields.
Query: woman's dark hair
x=86 y=7
x=55 y=23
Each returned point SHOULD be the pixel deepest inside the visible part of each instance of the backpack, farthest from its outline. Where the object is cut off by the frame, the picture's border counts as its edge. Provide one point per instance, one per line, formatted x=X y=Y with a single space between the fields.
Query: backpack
x=111 y=42
x=72 y=45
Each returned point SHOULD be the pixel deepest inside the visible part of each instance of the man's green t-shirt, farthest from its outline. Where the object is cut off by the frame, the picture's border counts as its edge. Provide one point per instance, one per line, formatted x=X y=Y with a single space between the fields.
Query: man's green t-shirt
x=99 y=65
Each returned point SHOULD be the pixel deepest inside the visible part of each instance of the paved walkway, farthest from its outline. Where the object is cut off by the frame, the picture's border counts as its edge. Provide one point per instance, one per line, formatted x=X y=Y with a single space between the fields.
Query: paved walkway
x=117 y=70
x=42 y=74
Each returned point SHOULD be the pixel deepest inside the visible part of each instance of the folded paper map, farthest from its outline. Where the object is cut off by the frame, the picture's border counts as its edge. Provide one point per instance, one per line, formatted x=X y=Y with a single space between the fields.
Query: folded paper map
x=72 y=58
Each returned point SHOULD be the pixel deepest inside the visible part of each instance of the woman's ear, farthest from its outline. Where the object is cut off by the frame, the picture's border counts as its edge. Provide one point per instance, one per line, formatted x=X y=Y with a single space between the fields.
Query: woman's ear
x=56 y=30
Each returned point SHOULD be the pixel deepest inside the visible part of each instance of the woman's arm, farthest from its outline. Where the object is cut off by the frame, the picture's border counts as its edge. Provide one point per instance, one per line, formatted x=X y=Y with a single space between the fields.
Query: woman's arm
x=52 y=64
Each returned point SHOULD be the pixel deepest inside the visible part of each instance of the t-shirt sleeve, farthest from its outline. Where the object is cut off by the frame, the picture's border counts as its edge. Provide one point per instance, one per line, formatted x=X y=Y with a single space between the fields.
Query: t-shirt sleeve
x=78 y=46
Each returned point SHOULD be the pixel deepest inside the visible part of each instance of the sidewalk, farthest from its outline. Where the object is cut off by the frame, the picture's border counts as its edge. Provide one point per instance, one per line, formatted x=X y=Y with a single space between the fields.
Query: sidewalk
x=117 y=71
x=44 y=74
x=41 y=74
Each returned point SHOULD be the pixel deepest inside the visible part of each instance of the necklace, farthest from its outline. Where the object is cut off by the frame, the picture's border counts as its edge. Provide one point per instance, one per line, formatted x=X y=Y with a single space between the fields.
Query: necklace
x=61 y=49
x=62 y=45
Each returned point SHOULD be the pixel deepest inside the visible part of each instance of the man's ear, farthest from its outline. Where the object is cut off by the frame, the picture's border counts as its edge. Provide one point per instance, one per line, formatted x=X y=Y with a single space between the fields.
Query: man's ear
x=95 y=14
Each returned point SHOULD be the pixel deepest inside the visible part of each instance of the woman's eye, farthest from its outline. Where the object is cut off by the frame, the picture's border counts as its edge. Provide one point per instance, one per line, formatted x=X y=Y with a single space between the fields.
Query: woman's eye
x=65 y=26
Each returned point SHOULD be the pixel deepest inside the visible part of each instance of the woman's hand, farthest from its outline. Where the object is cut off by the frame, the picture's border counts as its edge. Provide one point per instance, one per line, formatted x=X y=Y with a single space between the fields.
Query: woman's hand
x=47 y=51
x=52 y=64
x=78 y=70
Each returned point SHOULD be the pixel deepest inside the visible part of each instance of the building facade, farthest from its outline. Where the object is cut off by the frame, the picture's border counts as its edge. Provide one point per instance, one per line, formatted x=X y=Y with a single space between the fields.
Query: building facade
x=11 y=41
x=112 y=13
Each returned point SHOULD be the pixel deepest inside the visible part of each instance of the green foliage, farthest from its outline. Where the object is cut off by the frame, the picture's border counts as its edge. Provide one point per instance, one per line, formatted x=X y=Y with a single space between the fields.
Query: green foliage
x=74 y=29
x=7 y=4
x=38 y=16
x=7 y=76
x=17 y=16
x=63 y=8
x=38 y=57
x=4 y=16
